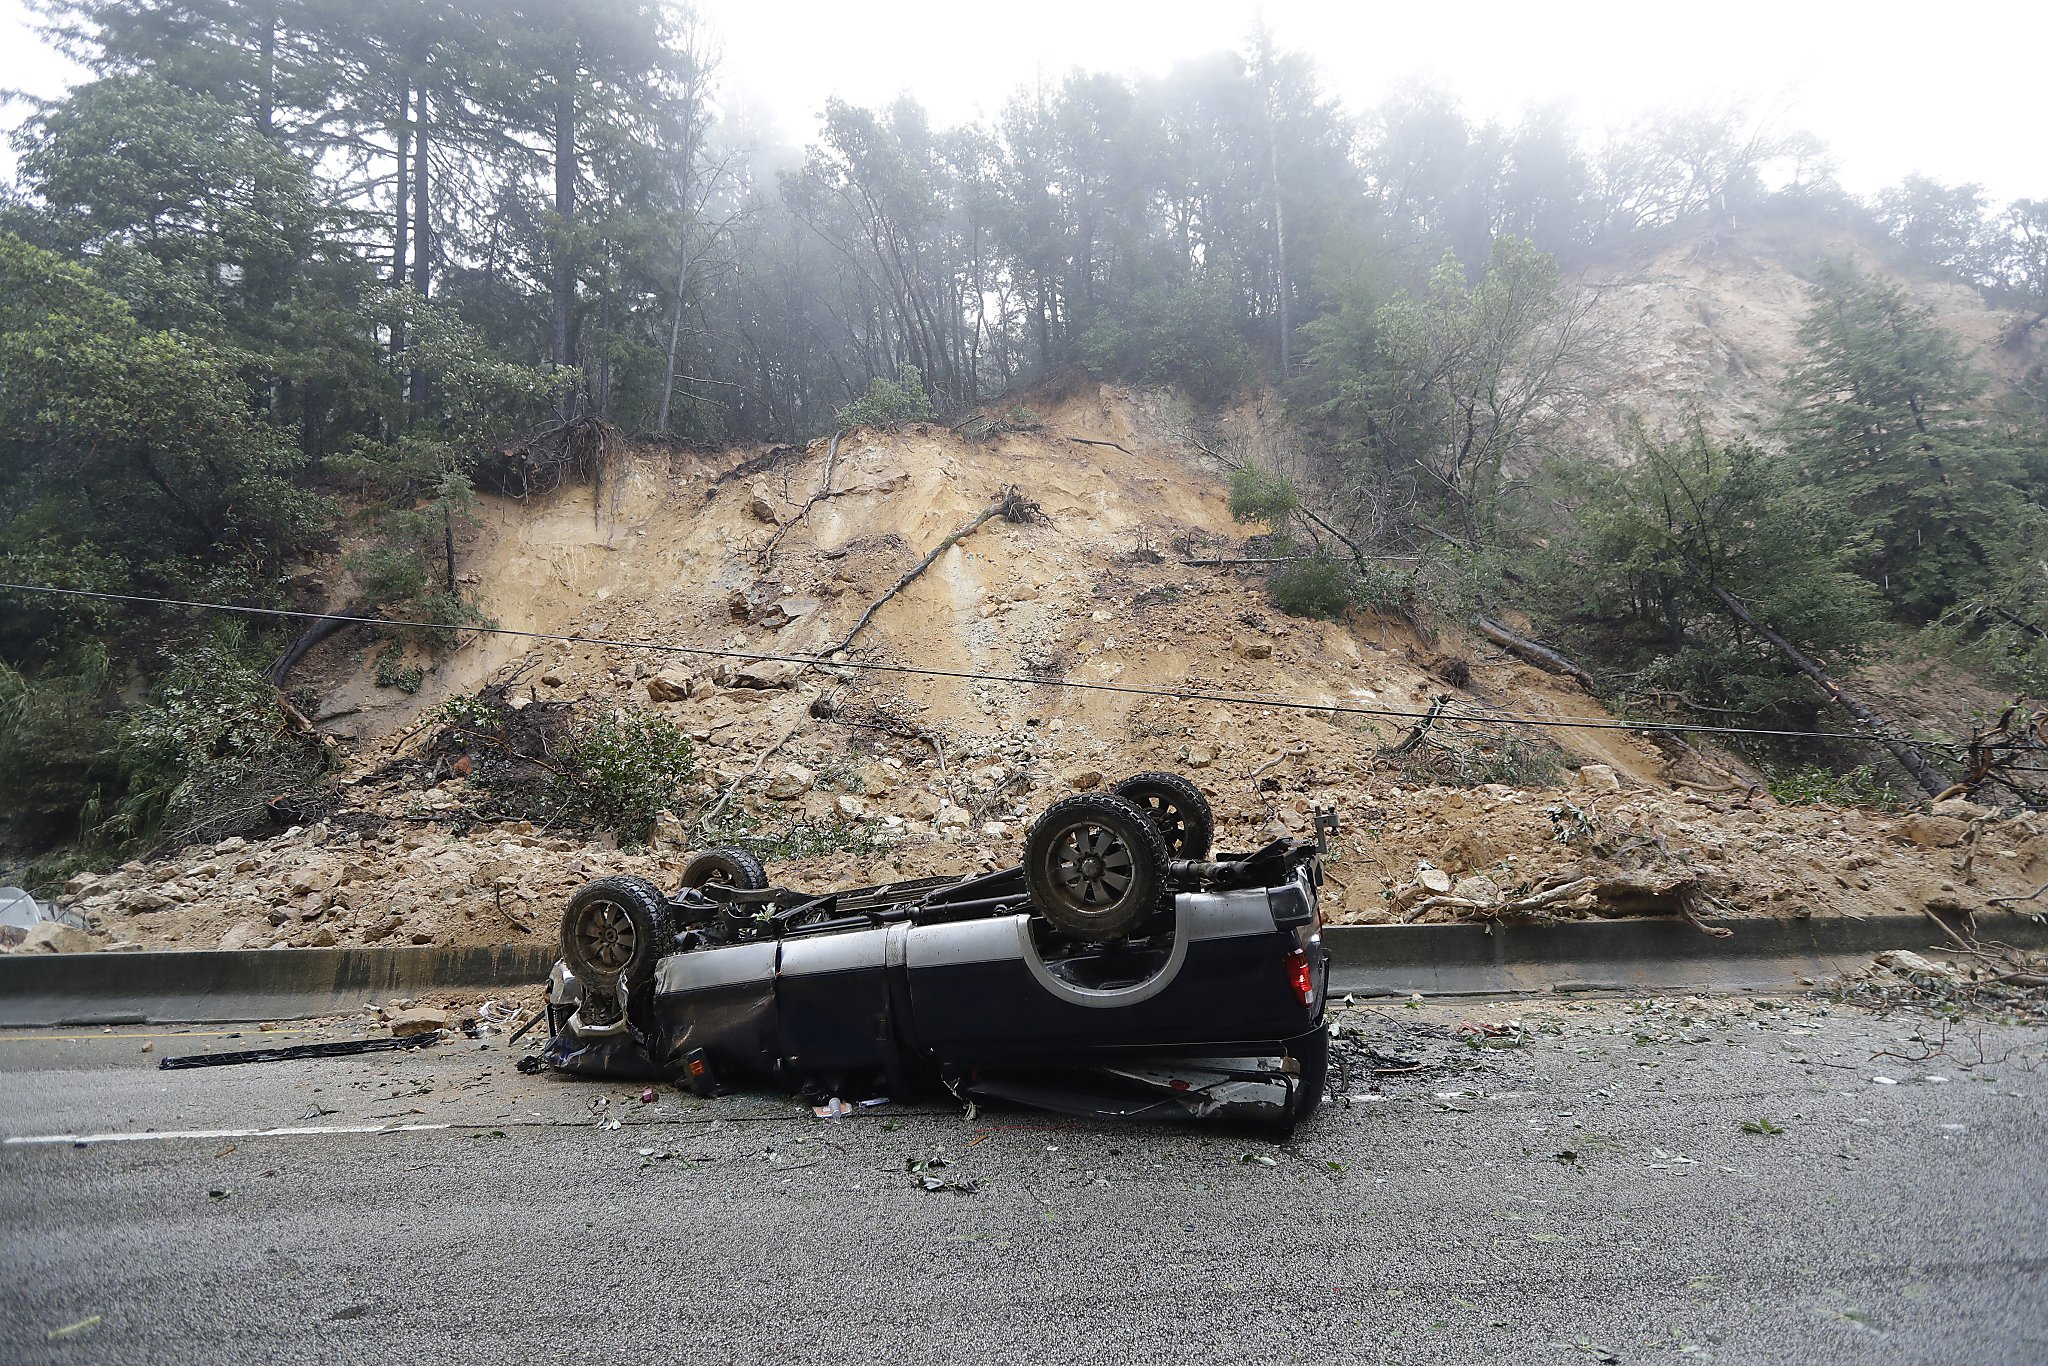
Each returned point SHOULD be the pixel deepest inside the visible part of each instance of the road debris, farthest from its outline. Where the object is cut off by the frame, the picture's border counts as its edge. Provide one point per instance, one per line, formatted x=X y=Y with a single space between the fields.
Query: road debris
x=340 y=1048
x=72 y=1329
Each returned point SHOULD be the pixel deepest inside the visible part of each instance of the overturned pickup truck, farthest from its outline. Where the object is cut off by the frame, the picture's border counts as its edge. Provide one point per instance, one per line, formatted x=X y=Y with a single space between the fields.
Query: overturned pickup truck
x=1120 y=971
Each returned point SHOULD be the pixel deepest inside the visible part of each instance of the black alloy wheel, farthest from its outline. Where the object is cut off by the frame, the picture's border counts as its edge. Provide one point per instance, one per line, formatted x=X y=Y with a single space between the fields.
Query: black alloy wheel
x=1095 y=866
x=1177 y=807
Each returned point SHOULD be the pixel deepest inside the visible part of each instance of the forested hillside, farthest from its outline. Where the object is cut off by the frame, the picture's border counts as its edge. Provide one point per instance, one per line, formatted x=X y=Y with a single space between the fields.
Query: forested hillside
x=292 y=280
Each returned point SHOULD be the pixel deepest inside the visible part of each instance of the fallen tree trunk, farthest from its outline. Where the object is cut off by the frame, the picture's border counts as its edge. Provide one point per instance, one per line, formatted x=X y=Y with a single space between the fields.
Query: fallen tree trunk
x=1541 y=656
x=1931 y=780
x=1012 y=505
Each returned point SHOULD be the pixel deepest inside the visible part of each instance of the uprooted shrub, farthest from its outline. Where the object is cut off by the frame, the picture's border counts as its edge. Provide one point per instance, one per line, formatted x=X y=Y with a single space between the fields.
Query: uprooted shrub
x=611 y=770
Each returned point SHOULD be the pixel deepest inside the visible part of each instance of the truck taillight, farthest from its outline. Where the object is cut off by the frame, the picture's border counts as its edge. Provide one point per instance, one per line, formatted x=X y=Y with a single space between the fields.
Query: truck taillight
x=1302 y=975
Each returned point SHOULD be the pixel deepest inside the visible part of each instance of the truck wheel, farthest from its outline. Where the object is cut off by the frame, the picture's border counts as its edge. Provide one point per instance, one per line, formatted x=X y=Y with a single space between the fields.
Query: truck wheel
x=726 y=867
x=614 y=931
x=1095 y=866
x=1177 y=807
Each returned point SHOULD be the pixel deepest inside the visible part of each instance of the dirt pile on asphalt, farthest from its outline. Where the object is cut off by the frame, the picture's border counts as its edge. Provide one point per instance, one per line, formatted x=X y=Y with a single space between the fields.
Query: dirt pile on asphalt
x=861 y=775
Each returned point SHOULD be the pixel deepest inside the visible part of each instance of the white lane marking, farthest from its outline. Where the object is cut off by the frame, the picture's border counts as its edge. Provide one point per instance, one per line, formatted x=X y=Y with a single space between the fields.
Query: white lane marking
x=22 y=1140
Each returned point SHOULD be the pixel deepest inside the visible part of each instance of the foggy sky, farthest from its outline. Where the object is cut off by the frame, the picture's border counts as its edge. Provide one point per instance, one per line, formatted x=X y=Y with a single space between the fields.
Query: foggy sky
x=1942 y=90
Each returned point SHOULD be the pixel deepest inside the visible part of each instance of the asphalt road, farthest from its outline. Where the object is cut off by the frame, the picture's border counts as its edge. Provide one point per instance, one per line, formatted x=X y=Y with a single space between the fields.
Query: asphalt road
x=1584 y=1190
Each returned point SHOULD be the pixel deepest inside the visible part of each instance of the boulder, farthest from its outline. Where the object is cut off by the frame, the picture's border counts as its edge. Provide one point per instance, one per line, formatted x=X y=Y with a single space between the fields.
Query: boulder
x=53 y=936
x=1084 y=779
x=761 y=505
x=767 y=674
x=791 y=783
x=1433 y=880
x=662 y=688
x=1254 y=647
x=419 y=1020
x=1598 y=778
x=1909 y=964
x=1931 y=832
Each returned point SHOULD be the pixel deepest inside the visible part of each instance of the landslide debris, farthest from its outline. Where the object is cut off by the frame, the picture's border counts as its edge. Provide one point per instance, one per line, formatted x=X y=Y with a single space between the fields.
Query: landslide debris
x=841 y=775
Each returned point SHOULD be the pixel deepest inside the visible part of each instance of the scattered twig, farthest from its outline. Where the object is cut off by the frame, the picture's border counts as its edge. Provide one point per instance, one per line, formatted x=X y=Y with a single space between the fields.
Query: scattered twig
x=1091 y=441
x=2014 y=900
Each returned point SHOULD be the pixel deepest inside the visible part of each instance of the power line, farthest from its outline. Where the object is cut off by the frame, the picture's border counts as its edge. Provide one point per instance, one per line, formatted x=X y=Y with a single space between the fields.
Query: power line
x=1025 y=680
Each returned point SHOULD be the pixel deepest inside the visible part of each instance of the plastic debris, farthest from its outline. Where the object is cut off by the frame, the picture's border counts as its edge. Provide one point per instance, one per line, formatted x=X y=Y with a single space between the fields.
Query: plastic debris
x=938 y=1183
x=834 y=1108
x=647 y=1096
x=72 y=1329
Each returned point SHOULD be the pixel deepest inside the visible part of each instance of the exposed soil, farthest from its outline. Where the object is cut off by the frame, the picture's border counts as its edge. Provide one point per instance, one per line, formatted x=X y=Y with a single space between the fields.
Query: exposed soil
x=907 y=774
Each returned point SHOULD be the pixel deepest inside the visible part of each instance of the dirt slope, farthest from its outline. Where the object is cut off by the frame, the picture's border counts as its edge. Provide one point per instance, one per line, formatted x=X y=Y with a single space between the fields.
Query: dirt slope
x=907 y=774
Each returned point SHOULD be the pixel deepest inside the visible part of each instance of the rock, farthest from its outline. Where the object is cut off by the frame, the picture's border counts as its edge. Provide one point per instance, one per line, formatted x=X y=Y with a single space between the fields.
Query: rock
x=1433 y=879
x=143 y=900
x=849 y=807
x=551 y=679
x=1084 y=779
x=1956 y=808
x=1252 y=647
x=322 y=938
x=925 y=805
x=952 y=817
x=377 y=929
x=1598 y=778
x=794 y=608
x=995 y=830
x=1907 y=963
x=791 y=783
x=419 y=1020
x=1478 y=887
x=1931 y=832
x=767 y=673
x=762 y=506
x=52 y=936
x=81 y=883
x=662 y=688
x=243 y=936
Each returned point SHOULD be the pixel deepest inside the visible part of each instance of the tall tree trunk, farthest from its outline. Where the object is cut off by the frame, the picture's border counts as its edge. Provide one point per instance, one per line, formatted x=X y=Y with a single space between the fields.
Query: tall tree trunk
x=266 y=76
x=675 y=336
x=401 y=217
x=422 y=221
x=563 y=286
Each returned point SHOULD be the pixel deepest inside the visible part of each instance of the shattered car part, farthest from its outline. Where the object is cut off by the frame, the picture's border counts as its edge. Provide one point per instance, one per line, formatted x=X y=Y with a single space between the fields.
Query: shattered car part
x=1101 y=976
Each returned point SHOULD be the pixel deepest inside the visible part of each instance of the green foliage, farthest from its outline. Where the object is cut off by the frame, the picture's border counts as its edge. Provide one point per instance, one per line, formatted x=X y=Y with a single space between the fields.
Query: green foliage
x=623 y=771
x=207 y=750
x=1189 y=335
x=393 y=674
x=885 y=403
x=1887 y=432
x=800 y=839
x=1812 y=785
x=1643 y=546
x=1258 y=495
x=60 y=748
x=1315 y=587
x=1511 y=760
x=142 y=436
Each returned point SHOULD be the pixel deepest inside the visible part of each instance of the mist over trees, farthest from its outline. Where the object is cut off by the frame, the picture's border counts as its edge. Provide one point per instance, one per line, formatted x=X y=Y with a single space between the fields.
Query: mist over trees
x=284 y=261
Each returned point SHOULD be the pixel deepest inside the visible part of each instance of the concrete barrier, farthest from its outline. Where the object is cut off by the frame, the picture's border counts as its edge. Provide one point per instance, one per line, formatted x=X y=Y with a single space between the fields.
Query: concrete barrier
x=1365 y=960
x=252 y=984
x=1625 y=955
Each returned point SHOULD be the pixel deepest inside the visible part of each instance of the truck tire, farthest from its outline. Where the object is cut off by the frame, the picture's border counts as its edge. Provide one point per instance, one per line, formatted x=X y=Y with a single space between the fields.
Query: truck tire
x=729 y=867
x=1095 y=866
x=614 y=932
x=1177 y=807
